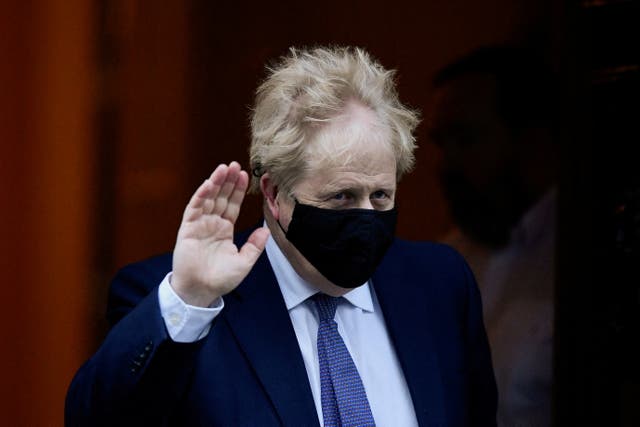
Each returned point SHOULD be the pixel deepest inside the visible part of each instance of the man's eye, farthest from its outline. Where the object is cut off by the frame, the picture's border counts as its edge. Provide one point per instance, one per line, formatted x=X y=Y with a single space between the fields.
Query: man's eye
x=339 y=196
x=379 y=195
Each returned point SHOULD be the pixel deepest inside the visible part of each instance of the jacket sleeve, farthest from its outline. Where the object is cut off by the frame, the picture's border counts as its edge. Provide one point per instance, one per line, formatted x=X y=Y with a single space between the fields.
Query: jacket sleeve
x=483 y=398
x=138 y=374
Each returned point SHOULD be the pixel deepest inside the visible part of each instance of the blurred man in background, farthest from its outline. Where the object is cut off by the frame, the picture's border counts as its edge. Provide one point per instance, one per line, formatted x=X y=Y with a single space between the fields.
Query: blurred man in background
x=494 y=117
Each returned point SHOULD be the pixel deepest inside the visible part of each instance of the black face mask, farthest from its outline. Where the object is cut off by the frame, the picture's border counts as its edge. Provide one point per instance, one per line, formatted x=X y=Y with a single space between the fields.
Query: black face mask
x=345 y=245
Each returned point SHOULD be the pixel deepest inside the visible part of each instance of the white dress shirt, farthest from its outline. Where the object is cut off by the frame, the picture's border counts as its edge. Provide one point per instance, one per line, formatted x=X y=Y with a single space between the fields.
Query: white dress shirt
x=360 y=323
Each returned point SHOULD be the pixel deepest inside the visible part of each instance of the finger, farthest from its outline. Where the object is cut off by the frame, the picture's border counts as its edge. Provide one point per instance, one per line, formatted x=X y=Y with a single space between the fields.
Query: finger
x=206 y=191
x=236 y=198
x=218 y=179
x=254 y=246
x=202 y=199
x=222 y=198
x=197 y=202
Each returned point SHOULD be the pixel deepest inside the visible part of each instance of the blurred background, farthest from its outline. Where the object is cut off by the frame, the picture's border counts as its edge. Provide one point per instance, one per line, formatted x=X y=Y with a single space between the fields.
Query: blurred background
x=113 y=111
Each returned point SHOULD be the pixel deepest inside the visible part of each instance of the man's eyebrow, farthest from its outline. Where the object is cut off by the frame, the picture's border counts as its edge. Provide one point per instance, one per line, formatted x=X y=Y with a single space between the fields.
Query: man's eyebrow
x=350 y=187
x=386 y=188
x=337 y=187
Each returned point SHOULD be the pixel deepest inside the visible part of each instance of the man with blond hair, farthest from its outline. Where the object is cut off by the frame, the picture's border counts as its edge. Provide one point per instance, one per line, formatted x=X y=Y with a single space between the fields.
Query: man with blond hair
x=318 y=317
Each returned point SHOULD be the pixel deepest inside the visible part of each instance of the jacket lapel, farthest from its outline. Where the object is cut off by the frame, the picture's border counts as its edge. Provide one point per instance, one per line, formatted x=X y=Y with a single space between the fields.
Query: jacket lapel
x=258 y=317
x=404 y=300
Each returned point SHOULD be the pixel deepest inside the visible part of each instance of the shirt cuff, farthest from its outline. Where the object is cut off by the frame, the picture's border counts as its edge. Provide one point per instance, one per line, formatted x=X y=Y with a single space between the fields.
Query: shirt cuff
x=184 y=322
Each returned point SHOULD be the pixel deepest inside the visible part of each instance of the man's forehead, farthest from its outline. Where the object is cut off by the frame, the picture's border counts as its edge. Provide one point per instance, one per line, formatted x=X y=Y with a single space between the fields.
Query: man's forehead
x=372 y=161
x=344 y=153
x=356 y=176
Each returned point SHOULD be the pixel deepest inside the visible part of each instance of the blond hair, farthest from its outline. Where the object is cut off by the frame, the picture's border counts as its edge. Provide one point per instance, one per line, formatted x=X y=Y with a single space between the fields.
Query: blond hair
x=308 y=88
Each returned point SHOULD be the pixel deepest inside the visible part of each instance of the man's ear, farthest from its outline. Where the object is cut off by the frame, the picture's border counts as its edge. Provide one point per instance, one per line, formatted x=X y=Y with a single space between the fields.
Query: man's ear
x=270 y=193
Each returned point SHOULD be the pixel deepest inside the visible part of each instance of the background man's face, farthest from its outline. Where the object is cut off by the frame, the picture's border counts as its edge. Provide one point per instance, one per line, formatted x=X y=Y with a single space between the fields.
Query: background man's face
x=479 y=175
x=465 y=123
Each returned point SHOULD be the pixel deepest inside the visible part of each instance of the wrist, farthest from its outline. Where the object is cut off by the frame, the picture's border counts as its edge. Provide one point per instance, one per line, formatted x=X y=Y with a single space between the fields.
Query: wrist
x=192 y=294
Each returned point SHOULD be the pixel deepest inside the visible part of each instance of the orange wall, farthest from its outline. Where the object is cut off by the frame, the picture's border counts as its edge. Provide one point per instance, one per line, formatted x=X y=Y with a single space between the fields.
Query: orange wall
x=46 y=179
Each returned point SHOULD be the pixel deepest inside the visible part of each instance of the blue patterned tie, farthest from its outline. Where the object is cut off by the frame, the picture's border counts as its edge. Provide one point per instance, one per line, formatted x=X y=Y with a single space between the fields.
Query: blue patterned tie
x=344 y=400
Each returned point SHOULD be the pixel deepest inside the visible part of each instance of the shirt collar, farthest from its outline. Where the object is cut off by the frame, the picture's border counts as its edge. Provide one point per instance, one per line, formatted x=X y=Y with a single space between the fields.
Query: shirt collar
x=295 y=290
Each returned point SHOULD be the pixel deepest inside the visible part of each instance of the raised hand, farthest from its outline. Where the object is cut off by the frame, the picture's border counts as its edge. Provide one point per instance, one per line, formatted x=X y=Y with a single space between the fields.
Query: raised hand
x=206 y=262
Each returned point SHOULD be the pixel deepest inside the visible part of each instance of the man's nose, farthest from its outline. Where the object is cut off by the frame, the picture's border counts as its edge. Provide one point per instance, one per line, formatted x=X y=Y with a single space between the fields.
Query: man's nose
x=365 y=204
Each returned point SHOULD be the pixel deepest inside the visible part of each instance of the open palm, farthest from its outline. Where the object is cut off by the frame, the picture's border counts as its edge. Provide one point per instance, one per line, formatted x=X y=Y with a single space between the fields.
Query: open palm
x=206 y=262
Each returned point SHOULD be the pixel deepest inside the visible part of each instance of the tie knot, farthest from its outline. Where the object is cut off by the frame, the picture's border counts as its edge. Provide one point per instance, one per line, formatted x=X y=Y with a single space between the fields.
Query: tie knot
x=326 y=305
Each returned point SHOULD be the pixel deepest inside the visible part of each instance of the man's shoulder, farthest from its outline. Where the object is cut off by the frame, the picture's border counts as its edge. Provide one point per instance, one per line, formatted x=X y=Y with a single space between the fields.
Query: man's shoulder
x=134 y=282
x=407 y=251
x=430 y=264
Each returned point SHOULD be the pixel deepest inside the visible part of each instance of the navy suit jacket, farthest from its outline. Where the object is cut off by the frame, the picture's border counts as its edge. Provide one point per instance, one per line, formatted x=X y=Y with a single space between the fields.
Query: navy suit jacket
x=248 y=371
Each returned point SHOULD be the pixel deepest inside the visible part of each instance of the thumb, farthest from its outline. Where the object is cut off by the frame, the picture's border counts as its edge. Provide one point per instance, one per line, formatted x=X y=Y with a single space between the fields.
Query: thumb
x=254 y=246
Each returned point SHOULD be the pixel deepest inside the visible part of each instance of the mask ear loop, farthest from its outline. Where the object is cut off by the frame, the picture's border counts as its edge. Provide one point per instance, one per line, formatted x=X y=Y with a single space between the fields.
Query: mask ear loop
x=295 y=200
x=281 y=228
